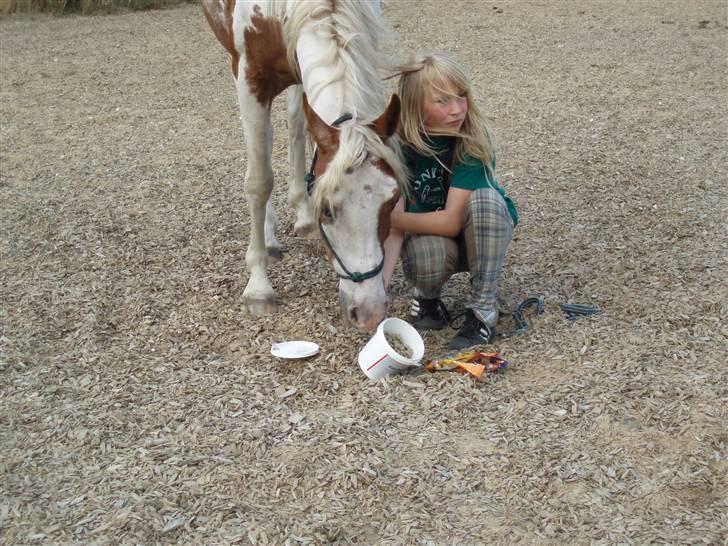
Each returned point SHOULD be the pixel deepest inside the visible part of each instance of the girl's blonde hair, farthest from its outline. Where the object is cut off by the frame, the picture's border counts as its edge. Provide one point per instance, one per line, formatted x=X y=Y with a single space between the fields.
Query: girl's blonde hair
x=439 y=72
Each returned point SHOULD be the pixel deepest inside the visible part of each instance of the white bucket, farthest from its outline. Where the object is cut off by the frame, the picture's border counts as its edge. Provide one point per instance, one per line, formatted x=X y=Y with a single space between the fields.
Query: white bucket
x=378 y=359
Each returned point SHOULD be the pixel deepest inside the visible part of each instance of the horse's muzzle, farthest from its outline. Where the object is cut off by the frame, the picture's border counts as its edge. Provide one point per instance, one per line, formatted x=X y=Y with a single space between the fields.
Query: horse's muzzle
x=364 y=315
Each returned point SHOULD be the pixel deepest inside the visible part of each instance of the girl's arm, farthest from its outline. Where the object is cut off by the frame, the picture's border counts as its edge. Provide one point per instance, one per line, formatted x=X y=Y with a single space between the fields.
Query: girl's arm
x=448 y=222
x=392 y=247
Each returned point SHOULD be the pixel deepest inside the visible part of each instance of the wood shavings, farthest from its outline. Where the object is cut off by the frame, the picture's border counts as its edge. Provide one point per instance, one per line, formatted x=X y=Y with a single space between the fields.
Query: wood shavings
x=139 y=405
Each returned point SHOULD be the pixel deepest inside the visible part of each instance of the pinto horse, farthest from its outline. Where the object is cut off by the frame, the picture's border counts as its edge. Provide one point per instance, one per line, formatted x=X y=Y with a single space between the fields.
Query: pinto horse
x=323 y=52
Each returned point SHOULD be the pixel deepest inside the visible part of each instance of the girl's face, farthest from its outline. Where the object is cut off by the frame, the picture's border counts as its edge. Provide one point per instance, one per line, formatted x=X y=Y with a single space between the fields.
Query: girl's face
x=444 y=109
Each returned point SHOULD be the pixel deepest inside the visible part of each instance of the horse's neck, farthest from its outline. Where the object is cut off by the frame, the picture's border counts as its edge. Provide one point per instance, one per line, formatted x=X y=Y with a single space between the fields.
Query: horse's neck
x=324 y=88
x=337 y=81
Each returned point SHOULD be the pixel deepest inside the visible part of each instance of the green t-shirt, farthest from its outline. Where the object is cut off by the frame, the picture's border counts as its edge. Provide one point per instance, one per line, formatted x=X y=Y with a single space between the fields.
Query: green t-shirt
x=430 y=181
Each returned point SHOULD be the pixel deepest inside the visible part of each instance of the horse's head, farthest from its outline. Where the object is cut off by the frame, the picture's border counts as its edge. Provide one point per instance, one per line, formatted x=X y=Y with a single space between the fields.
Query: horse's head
x=354 y=185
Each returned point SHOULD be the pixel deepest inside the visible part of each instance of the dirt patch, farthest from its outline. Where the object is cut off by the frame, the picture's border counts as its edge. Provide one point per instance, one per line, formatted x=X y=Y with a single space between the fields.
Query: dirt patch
x=139 y=405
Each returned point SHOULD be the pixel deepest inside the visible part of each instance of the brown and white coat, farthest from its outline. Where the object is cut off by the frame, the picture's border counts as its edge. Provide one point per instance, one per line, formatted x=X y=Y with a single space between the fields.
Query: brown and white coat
x=324 y=53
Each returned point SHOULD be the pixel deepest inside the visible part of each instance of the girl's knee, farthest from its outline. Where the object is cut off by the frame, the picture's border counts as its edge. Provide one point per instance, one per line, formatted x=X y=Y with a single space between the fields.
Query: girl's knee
x=488 y=204
x=487 y=198
x=427 y=259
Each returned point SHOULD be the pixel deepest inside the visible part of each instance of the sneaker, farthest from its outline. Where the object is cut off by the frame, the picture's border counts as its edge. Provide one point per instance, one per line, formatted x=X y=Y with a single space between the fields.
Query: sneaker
x=472 y=332
x=428 y=314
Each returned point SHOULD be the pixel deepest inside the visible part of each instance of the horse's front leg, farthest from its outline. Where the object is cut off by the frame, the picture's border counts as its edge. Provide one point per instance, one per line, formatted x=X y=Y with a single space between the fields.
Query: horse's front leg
x=304 y=225
x=258 y=297
x=272 y=246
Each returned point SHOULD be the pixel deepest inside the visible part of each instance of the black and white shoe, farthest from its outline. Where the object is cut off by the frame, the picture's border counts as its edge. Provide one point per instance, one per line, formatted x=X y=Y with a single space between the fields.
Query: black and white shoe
x=428 y=314
x=472 y=332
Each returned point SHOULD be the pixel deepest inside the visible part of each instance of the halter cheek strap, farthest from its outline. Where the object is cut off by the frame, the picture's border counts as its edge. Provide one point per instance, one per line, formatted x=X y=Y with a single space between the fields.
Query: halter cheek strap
x=349 y=275
x=310 y=178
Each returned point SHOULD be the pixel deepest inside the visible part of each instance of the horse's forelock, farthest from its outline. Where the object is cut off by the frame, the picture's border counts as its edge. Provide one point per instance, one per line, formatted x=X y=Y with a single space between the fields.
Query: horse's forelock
x=355 y=142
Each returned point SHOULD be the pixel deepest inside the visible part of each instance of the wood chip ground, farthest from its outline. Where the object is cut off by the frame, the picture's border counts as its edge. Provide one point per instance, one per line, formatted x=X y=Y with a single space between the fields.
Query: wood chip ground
x=138 y=405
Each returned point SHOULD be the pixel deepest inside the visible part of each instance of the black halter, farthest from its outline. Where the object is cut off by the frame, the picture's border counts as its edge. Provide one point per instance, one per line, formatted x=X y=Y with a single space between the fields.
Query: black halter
x=310 y=179
x=310 y=176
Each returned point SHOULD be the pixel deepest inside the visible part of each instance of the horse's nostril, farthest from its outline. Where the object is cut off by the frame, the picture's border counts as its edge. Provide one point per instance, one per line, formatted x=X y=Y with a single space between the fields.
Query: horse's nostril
x=353 y=314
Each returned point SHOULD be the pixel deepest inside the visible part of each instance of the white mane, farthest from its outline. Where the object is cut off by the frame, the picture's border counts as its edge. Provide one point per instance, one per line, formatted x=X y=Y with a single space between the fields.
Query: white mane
x=354 y=29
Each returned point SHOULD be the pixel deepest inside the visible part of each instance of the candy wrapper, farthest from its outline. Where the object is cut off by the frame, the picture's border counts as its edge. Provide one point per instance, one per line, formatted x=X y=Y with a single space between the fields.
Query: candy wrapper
x=474 y=363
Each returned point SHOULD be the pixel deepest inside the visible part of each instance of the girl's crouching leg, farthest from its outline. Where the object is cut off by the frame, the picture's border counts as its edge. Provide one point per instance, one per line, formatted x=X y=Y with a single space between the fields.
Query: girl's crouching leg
x=428 y=261
x=488 y=232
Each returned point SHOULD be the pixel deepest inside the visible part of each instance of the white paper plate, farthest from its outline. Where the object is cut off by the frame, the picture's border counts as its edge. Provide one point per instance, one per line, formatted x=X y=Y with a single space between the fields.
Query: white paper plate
x=294 y=349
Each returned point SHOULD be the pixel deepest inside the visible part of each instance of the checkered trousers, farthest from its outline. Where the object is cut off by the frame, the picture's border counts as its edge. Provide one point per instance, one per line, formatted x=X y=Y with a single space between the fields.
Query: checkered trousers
x=480 y=248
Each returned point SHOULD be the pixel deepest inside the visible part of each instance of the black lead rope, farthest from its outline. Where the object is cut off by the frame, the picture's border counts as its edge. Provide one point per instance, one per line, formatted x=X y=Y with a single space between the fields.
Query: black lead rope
x=310 y=178
x=572 y=310
x=520 y=320
x=575 y=310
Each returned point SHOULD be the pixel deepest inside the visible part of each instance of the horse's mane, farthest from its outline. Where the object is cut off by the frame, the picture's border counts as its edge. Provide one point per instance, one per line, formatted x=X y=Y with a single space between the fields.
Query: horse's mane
x=354 y=30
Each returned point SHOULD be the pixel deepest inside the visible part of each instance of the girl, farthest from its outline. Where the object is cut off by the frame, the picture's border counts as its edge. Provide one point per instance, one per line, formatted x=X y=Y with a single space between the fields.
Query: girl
x=456 y=216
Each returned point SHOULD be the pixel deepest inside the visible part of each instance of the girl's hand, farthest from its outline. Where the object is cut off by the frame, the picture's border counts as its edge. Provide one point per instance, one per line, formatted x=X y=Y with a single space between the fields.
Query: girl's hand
x=447 y=223
x=392 y=245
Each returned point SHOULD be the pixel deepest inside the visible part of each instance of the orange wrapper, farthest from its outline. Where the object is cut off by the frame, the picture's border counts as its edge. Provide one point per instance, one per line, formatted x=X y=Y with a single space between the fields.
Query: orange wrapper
x=473 y=363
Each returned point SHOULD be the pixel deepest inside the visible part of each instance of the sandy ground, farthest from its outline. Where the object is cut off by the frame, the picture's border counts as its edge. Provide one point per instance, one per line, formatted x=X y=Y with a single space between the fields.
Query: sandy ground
x=139 y=405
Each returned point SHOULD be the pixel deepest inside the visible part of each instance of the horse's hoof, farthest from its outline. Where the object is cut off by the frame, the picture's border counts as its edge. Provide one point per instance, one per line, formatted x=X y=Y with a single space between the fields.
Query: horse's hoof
x=306 y=231
x=259 y=306
x=275 y=254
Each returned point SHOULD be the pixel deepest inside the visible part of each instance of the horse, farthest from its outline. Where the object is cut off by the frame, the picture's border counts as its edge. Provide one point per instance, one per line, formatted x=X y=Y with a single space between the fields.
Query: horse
x=324 y=54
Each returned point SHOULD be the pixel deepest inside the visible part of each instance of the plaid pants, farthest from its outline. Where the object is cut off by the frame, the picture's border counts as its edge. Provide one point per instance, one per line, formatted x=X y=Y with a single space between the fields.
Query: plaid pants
x=430 y=260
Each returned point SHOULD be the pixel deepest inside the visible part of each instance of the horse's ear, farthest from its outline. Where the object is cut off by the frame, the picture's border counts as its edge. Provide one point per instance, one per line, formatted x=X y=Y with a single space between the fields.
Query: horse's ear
x=326 y=137
x=386 y=124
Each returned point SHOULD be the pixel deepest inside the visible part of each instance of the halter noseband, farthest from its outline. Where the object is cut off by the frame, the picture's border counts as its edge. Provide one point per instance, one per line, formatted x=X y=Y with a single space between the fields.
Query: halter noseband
x=310 y=178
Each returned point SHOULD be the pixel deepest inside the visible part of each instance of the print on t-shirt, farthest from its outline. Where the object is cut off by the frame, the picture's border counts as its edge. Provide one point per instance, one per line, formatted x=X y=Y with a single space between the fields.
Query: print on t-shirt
x=430 y=186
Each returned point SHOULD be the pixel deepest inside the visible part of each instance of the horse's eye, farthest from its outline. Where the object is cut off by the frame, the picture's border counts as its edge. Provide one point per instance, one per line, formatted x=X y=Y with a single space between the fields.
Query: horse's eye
x=326 y=214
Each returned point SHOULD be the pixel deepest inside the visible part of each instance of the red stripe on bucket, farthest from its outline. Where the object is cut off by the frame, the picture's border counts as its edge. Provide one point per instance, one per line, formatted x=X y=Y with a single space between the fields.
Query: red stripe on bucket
x=377 y=362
